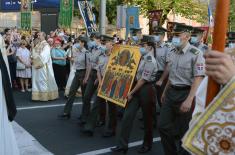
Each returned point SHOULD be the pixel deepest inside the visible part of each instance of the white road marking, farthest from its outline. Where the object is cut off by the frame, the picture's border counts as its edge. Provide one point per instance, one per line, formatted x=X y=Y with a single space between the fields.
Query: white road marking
x=44 y=106
x=107 y=150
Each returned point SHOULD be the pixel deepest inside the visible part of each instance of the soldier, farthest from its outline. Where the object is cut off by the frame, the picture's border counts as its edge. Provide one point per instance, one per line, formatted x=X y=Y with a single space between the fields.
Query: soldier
x=91 y=80
x=136 y=36
x=162 y=51
x=186 y=71
x=92 y=118
x=197 y=39
x=81 y=66
x=142 y=95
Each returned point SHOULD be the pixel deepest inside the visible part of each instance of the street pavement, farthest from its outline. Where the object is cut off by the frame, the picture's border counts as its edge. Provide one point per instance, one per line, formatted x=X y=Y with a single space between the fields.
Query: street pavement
x=63 y=137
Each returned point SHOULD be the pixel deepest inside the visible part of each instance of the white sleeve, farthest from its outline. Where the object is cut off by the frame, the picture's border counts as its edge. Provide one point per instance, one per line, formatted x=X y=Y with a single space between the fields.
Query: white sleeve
x=45 y=54
x=201 y=97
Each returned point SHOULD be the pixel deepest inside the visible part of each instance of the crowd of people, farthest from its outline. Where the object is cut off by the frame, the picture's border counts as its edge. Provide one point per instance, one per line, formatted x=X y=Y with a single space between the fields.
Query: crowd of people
x=169 y=75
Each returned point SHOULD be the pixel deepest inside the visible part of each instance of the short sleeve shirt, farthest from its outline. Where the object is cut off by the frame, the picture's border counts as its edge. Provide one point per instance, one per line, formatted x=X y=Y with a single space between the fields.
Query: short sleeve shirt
x=81 y=59
x=162 y=52
x=103 y=61
x=185 y=65
x=94 y=57
x=147 y=69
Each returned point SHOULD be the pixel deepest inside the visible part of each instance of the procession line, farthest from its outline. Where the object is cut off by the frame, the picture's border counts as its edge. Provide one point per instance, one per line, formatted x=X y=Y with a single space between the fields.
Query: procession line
x=44 y=106
x=107 y=150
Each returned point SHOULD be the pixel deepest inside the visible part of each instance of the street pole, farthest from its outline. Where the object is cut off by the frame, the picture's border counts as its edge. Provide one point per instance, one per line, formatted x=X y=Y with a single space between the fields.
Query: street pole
x=102 y=16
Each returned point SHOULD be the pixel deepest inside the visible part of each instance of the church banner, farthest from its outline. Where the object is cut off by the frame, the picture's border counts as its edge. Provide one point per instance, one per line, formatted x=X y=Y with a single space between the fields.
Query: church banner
x=121 y=16
x=212 y=132
x=26 y=14
x=120 y=74
x=85 y=8
x=154 y=19
x=132 y=19
x=66 y=13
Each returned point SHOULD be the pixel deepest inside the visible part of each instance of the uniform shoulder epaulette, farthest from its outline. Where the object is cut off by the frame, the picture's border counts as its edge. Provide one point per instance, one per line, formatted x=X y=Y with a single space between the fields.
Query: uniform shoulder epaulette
x=205 y=47
x=168 y=45
x=195 y=51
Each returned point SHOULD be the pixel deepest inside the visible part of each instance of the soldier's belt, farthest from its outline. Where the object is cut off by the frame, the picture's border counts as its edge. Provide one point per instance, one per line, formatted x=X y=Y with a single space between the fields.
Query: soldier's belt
x=180 y=87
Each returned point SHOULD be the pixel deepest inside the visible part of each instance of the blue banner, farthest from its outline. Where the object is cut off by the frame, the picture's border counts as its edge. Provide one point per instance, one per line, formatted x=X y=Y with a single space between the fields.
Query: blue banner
x=14 y=5
x=132 y=19
x=87 y=15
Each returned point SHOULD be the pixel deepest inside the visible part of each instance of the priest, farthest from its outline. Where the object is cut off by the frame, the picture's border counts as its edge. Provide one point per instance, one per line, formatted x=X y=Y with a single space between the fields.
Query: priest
x=44 y=86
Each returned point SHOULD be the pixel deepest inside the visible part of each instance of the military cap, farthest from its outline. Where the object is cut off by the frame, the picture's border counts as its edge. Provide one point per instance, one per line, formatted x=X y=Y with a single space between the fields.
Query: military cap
x=148 y=39
x=231 y=35
x=83 y=38
x=106 y=38
x=180 y=28
x=159 y=30
x=135 y=30
x=197 y=30
x=95 y=35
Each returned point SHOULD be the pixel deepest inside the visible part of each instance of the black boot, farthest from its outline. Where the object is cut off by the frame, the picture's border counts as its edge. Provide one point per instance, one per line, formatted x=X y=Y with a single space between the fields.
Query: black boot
x=64 y=116
x=144 y=149
x=119 y=149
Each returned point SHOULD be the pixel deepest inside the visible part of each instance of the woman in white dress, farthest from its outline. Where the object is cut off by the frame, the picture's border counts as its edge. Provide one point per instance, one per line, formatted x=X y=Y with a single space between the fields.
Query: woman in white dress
x=8 y=145
x=23 y=56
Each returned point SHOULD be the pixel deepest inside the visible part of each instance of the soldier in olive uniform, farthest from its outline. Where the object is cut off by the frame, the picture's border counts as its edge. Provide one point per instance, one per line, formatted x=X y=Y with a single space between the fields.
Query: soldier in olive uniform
x=91 y=80
x=81 y=66
x=162 y=52
x=92 y=118
x=197 y=39
x=142 y=95
x=186 y=71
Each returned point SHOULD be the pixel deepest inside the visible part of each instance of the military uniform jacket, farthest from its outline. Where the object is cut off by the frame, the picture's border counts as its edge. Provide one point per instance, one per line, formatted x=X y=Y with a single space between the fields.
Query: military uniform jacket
x=81 y=59
x=162 y=52
x=147 y=68
x=94 y=56
x=186 y=64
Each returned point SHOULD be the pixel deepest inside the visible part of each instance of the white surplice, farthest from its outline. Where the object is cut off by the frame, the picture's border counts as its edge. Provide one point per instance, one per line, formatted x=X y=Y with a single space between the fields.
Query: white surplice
x=44 y=87
x=8 y=145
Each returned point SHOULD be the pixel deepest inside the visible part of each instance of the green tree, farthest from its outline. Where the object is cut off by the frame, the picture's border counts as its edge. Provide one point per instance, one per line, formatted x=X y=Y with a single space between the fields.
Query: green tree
x=232 y=16
x=191 y=9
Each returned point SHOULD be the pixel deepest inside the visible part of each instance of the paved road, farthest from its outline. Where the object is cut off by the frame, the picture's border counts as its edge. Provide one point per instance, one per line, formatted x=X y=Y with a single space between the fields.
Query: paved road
x=64 y=137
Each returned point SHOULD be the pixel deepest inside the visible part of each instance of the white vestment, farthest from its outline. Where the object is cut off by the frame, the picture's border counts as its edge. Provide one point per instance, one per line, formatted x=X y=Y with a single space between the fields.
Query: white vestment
x=44 y=86
x=8 y=145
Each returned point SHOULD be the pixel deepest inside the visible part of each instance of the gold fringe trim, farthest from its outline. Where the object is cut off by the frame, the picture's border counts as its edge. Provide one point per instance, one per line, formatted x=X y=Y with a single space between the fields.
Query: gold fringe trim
x=45 y=96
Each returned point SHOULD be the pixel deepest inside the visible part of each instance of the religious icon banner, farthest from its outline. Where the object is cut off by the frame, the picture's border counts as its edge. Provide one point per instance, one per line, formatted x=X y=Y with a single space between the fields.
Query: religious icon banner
x=26 y=8
x=66 y=13
x=212 y=132
x=120 y=74
x=85 y=7
x=154 y=19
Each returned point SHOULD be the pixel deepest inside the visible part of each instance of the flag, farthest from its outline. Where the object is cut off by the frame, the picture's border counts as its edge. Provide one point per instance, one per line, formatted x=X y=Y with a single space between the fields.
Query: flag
x=121 y=16
x=66 y=13
x=88 y=16
x=132 y=19
x=26 y=14
x=154 y=19
x=210 y=16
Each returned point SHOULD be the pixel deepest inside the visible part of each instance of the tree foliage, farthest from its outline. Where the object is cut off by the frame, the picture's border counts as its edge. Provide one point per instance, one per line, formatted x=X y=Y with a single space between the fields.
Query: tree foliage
x=232 y=16
x=191 y=9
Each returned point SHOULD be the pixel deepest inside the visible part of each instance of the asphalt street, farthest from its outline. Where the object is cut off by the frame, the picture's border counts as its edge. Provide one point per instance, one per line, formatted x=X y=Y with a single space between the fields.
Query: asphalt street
x=63 y=137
